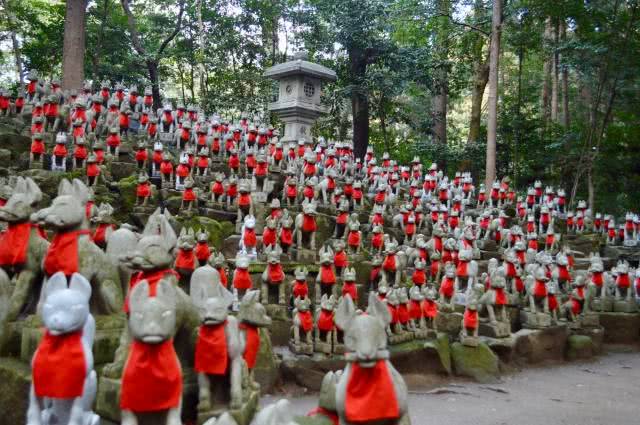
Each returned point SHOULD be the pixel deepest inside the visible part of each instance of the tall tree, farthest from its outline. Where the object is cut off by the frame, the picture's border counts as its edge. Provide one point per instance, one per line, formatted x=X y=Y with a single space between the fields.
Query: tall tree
x=441 y=72
x=152 y=59
x=74 y=44
x=492 y=121
x=480 y=75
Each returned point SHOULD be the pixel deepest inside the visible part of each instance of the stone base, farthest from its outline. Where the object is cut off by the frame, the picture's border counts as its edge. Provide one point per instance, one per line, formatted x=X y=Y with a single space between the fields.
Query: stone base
x=322 y=347
x=280 y=331
x=243 y=415
x=595 y=334
x=620 y=328
x=15 y=377
x=469 y=341
x=538 y=345
x=590 y=320
x=304 y=255
x=602 y=304
x=277 y=311
x=477 y=362
x=495 y=330
x=423 y=333
x=536 y=320
x=106 y=341
x=450 y=323
x=401 y=337
x=301 y=348
x=625 y=306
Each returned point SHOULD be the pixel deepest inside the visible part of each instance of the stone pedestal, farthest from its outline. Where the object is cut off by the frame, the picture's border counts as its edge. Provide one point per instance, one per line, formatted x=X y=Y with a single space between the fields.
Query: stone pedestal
x=602 y=304
x=242 y=415
x=620 y=328
x=625 y=306
x=398 y=338
x=536 y=320
x=450 y=323
x=495 y=330
x=301 y=347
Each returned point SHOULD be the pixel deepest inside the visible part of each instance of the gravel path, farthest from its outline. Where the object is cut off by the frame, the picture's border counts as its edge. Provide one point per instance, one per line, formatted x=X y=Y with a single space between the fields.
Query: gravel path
x=602 y=392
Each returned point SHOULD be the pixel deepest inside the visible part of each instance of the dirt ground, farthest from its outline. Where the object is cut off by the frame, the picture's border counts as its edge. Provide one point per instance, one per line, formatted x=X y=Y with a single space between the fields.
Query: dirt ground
x=605 y=391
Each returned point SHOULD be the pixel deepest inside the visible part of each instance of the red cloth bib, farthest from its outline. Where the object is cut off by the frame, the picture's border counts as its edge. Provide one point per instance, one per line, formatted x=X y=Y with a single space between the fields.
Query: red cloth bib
x=100 y=234
x=152 y=378
x=189 y=195
x=252 y=344
x=563 y=273
x=327 y=275
x=370 y=395
x=350 y=288
x=354 y=238
x=447 y=286
x=300 y=289
x=597 y=279
x=211 y=350
x=59 y=366
x=241 y=279
x=306 y=320
x=325 y=321
x=62 y=255
x=553 y=302
x=623 y=281
x=309 y=223
x=461 y=271
x=419 y=277
x=389 y=263
x=286 y=236
x=223 y=276
x=340 y=259
x=429 y=309
x=249 y=238
x=415 y=310
x=501 y=296
x=185 y=259
x=276 y=274
x=268 y=237
x=376 y=240
x=244 y=199
x=403 y=313
x=470 y=319
x=14 y=244
x=202 y=251
x=540 y=289
x=143 y=190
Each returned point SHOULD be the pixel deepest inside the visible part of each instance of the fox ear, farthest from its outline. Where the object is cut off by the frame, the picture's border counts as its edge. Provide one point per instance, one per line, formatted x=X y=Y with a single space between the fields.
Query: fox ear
x=65 y=188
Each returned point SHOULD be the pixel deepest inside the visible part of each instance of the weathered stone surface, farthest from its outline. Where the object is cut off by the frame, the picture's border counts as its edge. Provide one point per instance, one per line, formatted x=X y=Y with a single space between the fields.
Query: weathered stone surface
x=15 y=380
x=442 y=348
x=218 y=230
x=631 y=254
x=121 y=170
x=585 y=243
x=538 y=345
x=266 y=371
x=479 y=363
x=579 y=347
x=620 y=328
x=503 y=347
x=450 y=323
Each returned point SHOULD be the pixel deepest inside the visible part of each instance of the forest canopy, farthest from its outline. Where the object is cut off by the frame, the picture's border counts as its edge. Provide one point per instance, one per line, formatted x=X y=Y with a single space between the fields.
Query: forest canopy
x=413 y=75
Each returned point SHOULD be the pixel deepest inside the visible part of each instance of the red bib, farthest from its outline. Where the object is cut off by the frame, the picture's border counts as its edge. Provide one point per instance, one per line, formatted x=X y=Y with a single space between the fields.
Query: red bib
x=429 y=309
x=300 y=289
x=461 y=271
x=419 y=277
x=306 y=320
x=268 y=237
x=325 y=320
x=152 y=378
x=501 y=296
x=327 y=275
x=470 y=319
x=597 y=279
x=14 y=244
x=403 y=313
x=622 y=281
x=376 y=240
x=249 y=238
x=540 y=289
x=211 y=350
x=62 y=255
x=415 y=310
x=100 y=234
x=447 y=286
x=59 y=366
x=350 y=288
x=370 y=394
x=185 y=259
x=389 y=263
x=252 y=344
x=202 y=251
x=354 y=238
x=340 y=259
x=286 y=236
x=241 y=279
x=276 y=274
x=309 y=223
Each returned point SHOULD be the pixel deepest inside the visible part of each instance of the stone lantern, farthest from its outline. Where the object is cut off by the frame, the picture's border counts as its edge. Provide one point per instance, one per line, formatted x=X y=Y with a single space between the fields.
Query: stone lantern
x=298 y=103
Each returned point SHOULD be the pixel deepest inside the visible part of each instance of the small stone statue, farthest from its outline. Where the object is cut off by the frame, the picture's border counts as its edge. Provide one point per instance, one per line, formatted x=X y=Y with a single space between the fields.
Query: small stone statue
x=353 y=234
x=248 y=240
x=325 y=337
x=252 y=316
x=326 y=278
x=306 y=227
x=64 y=397
x=273 y=276
x=143 y=190
x=470 y=325
x=218 y=351
x=152 y=324
x=302 y=329
x=189 y=195
x=368 y=367
x=185 y=262
x=59 y=157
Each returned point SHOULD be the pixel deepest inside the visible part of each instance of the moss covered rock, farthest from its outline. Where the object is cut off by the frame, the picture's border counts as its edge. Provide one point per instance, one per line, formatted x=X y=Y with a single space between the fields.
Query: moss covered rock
x=479 y=363
x=265 y=371
x=15 y=377
x=442 y=347
x=218 y=230
x=579 y=347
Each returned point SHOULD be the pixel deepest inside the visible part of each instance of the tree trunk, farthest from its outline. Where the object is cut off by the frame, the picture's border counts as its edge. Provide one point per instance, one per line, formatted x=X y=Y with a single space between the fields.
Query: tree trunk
x=546 y=75
x=440 y=101
x=481 y=77
x=359 y=102
x=565 y=82
x=554 y=75
x=18 y=58
x=73 y=46
x=152 y=67
x=96 y=54
x=441 y=74
x=492 y=122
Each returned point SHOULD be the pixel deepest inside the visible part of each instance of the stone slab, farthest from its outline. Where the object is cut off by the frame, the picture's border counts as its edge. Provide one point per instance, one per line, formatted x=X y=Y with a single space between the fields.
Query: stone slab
x=538 y=345
x=620 y=328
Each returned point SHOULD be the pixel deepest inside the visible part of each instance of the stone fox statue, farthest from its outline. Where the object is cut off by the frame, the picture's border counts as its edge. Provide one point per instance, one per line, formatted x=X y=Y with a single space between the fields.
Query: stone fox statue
x=218 y=347
x=64 y=383
x=22 y=248
x=151 y=260
x=72 y=250
x=384 y=399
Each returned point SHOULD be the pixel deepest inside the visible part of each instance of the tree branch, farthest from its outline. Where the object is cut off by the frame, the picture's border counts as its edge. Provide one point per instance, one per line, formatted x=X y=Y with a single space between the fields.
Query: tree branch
x=462 y=24
x=175 y=31
x=131 y=22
